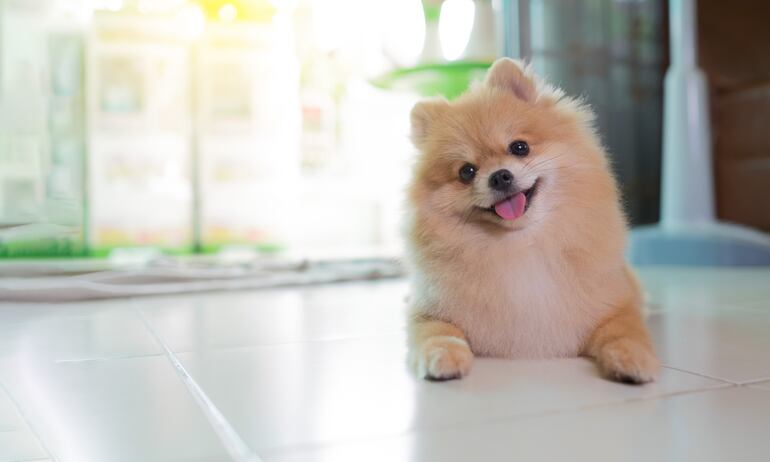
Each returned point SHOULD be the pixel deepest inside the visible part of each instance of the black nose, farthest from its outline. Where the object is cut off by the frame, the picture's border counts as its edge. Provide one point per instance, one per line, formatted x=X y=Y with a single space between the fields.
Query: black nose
x=501 y=180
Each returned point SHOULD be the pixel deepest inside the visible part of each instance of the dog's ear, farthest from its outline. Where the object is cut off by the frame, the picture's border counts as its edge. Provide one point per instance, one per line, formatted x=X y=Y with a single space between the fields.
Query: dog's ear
x=424 y=114
x=511 y=75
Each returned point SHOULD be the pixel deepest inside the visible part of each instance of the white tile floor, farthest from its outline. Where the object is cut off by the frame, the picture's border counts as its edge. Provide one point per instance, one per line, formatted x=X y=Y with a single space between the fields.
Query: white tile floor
x=318 y=374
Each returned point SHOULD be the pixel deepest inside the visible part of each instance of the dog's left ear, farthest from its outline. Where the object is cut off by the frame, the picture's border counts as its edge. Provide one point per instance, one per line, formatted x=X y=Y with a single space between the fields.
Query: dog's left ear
x=424 y=114
x=511 y=75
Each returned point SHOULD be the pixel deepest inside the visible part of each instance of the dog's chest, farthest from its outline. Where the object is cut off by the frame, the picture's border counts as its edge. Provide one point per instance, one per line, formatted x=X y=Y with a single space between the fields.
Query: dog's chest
x=522 y=309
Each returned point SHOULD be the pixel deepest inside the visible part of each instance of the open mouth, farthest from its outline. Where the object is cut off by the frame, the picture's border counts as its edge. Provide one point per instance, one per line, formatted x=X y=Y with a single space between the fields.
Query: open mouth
x=513 y=206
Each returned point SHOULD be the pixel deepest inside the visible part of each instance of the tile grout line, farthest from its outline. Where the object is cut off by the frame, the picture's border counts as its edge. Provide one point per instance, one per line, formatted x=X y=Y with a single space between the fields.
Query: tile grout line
x=500 y=420
x=30 y=427
x=106 y=358
x=233 y=443
x=699 y=374
x=741 y=383
x=238 y=347
x=759 y=381
x=721 y=386
x=662 y=308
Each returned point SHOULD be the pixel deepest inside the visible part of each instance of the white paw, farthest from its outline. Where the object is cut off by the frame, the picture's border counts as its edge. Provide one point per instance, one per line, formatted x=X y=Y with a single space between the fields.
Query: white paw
x=442 y=358
x=629 y=361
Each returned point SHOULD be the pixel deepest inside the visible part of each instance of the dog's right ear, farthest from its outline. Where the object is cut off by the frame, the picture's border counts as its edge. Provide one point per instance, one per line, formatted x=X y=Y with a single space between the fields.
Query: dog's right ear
x=424 y=115
x=513 y=76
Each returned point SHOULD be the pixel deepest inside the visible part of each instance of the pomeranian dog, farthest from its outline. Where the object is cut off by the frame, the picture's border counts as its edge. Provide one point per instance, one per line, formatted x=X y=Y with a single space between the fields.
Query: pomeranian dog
x=516 y=235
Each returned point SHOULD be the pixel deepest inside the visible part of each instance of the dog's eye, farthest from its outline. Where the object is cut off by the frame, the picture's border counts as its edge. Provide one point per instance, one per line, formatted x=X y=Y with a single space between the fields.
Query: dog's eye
x=519 y=148
x=467 y=172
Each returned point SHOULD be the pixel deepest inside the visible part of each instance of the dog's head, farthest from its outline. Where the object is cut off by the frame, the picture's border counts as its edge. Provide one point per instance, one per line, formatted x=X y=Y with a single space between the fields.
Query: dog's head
x=508 y=154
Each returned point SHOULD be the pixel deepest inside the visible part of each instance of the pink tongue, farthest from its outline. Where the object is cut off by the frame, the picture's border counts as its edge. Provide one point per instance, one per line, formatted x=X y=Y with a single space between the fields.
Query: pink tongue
x=511 y=208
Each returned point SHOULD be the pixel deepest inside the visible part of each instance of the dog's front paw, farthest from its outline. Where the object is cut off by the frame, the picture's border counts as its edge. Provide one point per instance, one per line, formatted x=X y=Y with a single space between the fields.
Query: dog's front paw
x=442 y=358
x=628 y=361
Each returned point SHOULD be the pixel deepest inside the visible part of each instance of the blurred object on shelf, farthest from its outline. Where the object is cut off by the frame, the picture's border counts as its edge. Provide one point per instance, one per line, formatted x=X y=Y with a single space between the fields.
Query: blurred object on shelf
x=42 y=123
x=139 y=155
x=248 y=131
x=450 y=26
x=431 y=46
x=319 y=130
x=689 y=232
x=484 y=41
x=449 y=80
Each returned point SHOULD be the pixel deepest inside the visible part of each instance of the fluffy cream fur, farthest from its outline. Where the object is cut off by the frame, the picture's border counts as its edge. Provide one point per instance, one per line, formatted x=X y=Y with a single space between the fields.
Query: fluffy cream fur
x=552 y=283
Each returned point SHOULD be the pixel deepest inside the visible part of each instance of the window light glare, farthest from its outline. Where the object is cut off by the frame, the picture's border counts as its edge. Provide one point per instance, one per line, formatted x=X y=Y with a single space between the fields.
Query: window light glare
x=455 y=24
x=192 y=21
x=228 y=12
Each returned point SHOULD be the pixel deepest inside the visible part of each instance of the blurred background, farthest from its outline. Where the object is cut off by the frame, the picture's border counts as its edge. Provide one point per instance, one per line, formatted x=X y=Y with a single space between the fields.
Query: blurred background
x=196 y=125
x=239 y=129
